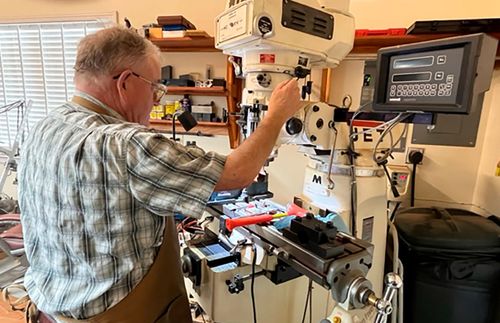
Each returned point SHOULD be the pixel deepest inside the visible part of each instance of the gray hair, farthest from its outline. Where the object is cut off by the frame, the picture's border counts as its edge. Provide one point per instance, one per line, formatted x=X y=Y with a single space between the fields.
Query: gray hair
x=110 y=51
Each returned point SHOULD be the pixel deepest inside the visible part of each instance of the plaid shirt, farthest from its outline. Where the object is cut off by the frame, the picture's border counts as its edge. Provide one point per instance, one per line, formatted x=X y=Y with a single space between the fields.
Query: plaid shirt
x=93 y=191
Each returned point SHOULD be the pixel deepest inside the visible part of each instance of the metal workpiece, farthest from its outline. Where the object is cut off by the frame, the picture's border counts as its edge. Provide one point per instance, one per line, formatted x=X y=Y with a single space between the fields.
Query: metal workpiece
x=315 y=236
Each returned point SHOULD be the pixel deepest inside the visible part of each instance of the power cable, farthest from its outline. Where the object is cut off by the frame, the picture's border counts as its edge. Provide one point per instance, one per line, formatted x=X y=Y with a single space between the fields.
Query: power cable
x=352 y=156
x=308 y=300
x=415 y=157
x=252 y=291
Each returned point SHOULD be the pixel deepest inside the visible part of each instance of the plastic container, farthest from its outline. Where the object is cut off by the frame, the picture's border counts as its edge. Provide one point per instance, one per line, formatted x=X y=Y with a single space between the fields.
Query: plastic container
x=451 y=264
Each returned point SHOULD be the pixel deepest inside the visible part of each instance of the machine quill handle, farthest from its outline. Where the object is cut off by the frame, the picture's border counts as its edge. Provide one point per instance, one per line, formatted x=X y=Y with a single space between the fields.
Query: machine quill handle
x=383 y=305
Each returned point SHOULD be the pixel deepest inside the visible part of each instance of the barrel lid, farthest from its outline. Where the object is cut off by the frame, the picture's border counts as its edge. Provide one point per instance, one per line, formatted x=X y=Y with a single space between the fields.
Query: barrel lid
x=448 y=228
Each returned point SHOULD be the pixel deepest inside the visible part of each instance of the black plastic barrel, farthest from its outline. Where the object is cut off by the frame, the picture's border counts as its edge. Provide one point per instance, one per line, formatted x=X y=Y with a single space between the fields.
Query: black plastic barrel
x=451 y=262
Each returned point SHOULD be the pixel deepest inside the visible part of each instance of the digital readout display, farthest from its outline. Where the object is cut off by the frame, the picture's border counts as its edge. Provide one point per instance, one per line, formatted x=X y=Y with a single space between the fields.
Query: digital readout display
x=412 y=77
x=414 y=62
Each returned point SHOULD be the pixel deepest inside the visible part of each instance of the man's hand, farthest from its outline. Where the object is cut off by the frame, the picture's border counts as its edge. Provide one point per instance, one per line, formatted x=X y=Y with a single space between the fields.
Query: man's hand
x=244 y=163
x=285 y=101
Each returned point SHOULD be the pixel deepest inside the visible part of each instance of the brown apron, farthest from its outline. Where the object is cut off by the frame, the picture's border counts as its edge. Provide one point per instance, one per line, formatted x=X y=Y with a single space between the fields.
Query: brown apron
x=161 y=295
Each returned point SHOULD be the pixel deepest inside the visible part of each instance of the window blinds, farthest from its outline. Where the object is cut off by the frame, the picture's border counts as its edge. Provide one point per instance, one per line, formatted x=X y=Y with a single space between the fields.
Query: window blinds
x=36 y=63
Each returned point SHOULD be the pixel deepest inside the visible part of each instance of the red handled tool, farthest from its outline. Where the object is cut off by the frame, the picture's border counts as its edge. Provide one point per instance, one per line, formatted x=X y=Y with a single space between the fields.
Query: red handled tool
x=262 y=218
x=293 y=209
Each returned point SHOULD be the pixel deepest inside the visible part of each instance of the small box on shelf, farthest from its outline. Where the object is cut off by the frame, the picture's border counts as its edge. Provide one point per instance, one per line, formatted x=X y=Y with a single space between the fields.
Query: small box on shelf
x=177 y=20
x=206 y=117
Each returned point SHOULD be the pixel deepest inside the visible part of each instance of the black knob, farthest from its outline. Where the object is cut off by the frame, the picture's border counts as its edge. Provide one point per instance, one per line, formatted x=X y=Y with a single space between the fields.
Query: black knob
x=235 y=286
x=186 y=265
x=301 y=72
x=415 y=157
x=294 y=126
x=320 y=123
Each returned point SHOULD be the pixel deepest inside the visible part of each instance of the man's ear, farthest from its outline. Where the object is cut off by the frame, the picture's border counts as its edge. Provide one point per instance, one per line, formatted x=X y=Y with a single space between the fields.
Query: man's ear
x=122 y=80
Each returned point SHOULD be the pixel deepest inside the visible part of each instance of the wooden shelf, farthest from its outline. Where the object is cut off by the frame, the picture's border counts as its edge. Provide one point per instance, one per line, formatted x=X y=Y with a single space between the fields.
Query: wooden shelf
x=232 y=92
x=203 y=127
x=208 y=91
x=185 y=44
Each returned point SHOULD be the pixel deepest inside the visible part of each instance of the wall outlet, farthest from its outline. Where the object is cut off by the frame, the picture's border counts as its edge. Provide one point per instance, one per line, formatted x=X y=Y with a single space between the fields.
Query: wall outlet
x=409 y=150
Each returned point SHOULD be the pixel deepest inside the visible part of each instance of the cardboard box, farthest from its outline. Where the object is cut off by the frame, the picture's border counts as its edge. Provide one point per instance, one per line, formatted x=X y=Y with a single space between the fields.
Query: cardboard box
x=155 y=32
x=202 y=109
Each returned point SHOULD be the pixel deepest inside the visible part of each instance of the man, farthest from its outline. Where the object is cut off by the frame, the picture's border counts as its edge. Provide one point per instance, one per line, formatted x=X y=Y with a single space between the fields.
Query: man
x=98 y=189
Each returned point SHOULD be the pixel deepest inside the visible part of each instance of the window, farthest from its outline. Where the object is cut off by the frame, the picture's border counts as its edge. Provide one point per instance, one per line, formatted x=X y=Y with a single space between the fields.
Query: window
x=36 y=64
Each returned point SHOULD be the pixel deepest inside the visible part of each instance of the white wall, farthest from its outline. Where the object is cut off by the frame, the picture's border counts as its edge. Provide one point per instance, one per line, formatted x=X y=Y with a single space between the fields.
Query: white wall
x=369 y=14
x=380 y=14
x=200 y=13
x=487 y=190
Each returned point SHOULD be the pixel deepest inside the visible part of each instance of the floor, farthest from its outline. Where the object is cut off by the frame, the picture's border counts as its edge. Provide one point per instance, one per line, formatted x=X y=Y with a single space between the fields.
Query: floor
x=10 y=273
x=7 y=315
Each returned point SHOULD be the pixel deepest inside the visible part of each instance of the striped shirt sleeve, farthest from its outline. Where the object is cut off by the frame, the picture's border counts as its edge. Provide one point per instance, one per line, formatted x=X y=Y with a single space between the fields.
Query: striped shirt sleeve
x=167 y=177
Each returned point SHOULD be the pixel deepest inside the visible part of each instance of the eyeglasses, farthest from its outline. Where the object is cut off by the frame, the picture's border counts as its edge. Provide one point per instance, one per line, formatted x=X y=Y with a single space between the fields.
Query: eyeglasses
x=159 y=90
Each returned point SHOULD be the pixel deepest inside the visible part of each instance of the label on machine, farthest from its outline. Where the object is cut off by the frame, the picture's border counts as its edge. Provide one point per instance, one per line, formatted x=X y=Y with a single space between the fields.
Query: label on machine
x=233 y=24
x=367 y=233
x=267 y=58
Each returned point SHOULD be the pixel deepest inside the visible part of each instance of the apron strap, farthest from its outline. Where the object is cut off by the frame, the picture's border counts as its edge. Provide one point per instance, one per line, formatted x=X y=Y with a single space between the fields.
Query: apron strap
x=89 y=105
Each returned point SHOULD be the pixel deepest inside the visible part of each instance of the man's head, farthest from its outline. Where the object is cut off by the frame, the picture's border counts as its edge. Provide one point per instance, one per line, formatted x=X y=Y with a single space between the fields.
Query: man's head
x=122 y=69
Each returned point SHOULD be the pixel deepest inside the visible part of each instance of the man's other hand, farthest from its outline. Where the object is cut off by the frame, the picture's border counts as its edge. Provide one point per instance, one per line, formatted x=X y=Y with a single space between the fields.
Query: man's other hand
x=285 y=101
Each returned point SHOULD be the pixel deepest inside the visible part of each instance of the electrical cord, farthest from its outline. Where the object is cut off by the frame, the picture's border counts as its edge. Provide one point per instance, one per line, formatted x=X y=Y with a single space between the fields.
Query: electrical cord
x=352 y=155
x=252 y=291
x=393 y=213
x=387 y=126
x=381 y=126
x=308 y=300
x=395 y=265
x=400 y=303
x=412 y=194
x=415 y=157
x=388 y=131
x=394 y=189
